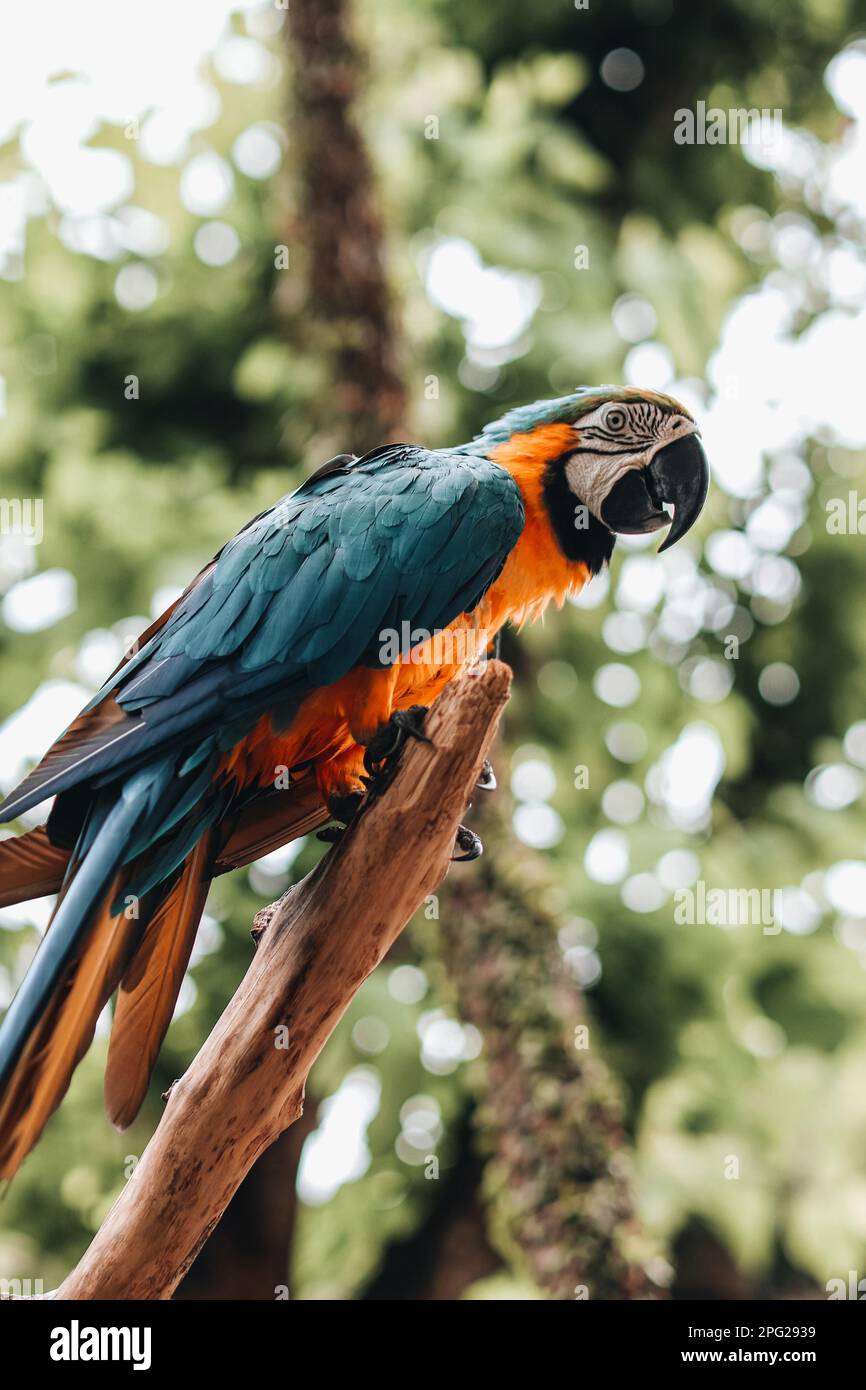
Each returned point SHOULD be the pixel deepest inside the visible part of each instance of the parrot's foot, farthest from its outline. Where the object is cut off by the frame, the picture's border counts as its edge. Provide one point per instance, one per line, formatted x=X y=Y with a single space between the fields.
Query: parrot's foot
x=382 y=752
x=344 y=807
x=331 y=834
x=470 y=845
x=487 y=777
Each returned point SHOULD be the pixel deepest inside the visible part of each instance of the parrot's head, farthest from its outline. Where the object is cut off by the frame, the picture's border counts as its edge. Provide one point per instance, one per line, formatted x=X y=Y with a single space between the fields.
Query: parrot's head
x=607 y=460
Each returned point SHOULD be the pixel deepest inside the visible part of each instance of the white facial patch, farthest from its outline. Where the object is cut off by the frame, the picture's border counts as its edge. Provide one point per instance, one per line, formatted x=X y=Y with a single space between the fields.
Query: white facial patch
x=604 y=455
x=591 y=476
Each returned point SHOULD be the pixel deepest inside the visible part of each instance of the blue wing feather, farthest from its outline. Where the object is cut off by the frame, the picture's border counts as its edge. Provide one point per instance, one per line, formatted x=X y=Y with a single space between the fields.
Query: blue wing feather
x=301 y=595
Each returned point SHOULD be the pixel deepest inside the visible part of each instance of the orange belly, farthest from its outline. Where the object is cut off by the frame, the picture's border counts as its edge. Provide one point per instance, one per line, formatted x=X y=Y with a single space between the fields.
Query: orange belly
x=335 y=722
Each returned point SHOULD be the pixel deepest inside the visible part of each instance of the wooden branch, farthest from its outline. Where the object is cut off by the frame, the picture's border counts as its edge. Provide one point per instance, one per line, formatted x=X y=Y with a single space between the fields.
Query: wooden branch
x=319 y=944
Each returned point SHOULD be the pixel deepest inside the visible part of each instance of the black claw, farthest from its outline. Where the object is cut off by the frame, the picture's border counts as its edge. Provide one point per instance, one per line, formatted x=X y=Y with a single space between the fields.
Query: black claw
x=470 y=843
x=413 y=719
x=331 y=834
x=345 y=808
x=388 y=741
x=487 y=778
x=380 y=776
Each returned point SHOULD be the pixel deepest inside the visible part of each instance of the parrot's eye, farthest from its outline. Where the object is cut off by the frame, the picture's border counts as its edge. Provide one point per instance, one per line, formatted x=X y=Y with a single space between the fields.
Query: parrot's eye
x=615 y=419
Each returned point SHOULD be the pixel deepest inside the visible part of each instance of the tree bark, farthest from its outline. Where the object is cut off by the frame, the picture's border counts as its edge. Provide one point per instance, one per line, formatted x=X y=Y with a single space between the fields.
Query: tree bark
x=340 y=230
x=247 y=1257
x=318 y=944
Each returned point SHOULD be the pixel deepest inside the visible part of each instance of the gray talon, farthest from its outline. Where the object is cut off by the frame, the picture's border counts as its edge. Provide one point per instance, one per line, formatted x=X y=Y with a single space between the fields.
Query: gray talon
x=469 y=843
x=487 y=777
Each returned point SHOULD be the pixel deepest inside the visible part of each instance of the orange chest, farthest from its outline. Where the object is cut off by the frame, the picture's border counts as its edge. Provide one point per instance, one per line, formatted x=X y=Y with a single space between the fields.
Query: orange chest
x=536 y=572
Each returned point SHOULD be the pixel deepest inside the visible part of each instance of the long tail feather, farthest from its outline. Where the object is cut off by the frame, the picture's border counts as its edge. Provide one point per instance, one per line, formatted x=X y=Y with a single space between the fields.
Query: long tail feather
x=92 y=948
x=148 y=993
x=30 y=867
x=106 y=832
x=40 y=1077
x=273 y=822
x=149 y=990
x=50 y=1022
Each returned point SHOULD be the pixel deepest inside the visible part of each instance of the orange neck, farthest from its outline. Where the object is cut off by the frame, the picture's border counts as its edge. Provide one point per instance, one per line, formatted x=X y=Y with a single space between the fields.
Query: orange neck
x=536 y=572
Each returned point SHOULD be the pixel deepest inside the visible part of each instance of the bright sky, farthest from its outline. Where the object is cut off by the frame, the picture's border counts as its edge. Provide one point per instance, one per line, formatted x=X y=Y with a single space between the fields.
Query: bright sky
x=65 y=70
x=128 y=56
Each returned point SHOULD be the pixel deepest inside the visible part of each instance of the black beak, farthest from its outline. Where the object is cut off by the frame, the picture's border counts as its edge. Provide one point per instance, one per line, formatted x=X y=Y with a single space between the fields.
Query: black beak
x=678 y=475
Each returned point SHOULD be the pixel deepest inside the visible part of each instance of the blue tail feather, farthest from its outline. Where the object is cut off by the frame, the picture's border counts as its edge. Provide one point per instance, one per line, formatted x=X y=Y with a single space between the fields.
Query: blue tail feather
x=108 y=829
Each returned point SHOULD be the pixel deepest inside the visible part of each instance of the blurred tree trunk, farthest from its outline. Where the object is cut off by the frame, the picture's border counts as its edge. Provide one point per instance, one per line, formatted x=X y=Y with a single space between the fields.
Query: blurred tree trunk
x=557 y=1184
x=541 y=1183
x=450 y=1249
x=340 y=231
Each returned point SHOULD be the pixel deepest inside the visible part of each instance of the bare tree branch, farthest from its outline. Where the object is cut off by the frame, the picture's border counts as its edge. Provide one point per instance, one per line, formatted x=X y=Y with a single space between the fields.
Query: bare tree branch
x=320 y=943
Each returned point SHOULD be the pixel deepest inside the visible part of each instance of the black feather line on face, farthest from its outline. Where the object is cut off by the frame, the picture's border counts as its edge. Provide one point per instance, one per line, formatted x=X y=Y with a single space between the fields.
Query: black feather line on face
x=580 y=536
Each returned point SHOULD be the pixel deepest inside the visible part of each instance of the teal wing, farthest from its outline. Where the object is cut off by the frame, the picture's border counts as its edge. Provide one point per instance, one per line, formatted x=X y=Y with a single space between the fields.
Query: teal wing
x=298 y=598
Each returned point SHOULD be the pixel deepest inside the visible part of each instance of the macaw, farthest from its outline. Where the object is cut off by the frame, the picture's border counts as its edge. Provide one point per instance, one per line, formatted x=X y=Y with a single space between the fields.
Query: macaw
x=266 y=699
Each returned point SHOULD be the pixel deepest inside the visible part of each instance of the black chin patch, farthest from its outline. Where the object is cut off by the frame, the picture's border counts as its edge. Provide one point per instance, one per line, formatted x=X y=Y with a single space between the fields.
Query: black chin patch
x=579 y=534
